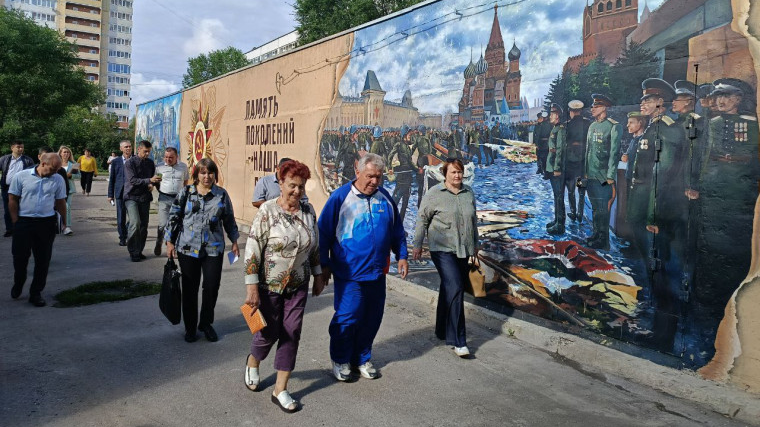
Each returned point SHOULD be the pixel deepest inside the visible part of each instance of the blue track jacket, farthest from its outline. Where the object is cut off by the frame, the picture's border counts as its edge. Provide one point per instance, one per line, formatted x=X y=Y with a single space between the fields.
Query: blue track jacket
x=357 y=233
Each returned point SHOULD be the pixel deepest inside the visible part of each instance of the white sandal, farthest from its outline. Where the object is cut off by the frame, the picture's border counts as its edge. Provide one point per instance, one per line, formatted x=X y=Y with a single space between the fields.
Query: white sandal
x=251 y=376
x=284 y=401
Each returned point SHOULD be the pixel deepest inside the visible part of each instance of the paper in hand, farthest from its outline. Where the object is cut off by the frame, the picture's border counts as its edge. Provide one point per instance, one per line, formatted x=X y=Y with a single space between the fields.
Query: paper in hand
x=232 y=257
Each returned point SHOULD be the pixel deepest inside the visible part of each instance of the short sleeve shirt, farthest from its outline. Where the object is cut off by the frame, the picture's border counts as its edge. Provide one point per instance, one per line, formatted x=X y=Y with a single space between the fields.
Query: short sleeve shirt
x=172 y=178
x=38 y=194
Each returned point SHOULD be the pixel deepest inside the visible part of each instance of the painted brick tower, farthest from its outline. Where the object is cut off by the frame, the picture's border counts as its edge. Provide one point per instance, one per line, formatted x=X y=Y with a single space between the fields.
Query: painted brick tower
x=514 y=78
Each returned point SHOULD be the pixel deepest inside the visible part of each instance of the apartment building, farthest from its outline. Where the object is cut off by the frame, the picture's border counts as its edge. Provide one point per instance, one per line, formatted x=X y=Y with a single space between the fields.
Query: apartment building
x=102 y=31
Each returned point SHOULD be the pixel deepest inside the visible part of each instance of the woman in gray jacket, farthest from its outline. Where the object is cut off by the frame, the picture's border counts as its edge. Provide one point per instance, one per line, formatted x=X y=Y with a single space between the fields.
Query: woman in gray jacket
x=198 y=218
x=448 y=216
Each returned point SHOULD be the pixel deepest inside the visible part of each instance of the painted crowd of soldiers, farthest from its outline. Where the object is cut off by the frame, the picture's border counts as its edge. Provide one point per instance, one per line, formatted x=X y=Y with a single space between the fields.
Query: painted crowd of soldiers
x=399 y=147
x=692 y=183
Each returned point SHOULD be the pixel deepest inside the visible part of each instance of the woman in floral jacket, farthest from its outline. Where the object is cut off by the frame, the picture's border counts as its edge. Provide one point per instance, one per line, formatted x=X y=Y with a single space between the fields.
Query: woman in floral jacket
x=281 y=253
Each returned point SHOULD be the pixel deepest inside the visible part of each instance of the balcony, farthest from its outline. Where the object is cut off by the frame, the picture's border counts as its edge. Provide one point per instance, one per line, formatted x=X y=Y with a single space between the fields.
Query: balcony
x=80 y=41
x=92 y=70
x=87 y=56
x=83 y=28
x=91 y=3
x=81 y=14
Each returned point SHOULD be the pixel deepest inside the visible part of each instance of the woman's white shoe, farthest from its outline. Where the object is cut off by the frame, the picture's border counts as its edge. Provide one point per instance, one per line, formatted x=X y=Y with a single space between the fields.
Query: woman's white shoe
x=251 y=376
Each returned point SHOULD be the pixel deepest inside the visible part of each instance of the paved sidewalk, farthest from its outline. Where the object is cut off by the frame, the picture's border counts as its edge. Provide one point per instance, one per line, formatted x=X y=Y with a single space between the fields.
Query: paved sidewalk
x=123 y=364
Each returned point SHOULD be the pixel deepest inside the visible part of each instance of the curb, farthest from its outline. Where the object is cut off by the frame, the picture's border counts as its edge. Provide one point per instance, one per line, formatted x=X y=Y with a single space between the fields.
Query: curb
x=596 y=358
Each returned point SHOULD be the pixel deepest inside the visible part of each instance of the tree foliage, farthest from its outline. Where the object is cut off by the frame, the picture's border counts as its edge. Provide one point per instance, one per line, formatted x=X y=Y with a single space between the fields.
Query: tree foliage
x=634 y=65
x=80 y=127
x=39 y=80
x=216 y=63
x=321 y=18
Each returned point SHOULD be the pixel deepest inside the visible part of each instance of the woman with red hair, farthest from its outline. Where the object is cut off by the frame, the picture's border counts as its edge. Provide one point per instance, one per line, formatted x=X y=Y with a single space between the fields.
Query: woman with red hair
x=281 y=252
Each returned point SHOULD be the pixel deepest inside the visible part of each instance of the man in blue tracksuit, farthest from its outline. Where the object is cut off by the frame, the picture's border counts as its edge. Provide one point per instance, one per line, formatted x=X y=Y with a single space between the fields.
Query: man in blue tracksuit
x=358 y=228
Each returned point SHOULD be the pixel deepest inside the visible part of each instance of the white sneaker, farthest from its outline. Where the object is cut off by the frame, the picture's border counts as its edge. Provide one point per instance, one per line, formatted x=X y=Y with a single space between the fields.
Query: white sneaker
x=462 y=351
x=368 y=371
x=342 y=371
x=68 y=231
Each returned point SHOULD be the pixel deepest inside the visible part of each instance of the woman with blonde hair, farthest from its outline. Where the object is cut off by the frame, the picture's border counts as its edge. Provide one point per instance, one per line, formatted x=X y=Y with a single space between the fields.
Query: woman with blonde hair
x=72 y=173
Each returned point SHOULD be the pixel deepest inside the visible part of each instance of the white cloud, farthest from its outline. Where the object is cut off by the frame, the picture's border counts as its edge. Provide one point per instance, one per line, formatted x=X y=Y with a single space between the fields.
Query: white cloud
x=208 y=35
x=144 y=89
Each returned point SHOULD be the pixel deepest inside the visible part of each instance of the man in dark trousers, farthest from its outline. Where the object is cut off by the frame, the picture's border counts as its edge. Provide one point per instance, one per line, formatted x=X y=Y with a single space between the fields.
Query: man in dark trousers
x=116 y=190
x=541 y=139
x=139 y=178
x=577 y=130
x=10 y=164
x=34 y=197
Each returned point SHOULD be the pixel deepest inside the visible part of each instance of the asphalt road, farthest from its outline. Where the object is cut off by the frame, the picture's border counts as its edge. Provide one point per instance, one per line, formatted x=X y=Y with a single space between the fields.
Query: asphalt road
x=123 y=364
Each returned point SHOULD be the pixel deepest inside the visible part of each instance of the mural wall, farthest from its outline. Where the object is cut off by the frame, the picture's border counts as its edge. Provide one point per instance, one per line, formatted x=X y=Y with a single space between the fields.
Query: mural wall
x=645 y=231
x=158 y=122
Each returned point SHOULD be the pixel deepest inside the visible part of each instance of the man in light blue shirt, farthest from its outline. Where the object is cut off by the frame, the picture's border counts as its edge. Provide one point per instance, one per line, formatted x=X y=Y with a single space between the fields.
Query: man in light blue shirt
x=34 y=197
x=268 y=188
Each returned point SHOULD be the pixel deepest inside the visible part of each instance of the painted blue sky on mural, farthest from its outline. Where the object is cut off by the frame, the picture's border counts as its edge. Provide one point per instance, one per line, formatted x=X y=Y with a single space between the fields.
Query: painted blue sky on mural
x=546 y=31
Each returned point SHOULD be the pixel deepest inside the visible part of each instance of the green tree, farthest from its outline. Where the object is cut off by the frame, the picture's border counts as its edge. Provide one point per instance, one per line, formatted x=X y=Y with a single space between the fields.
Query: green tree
x=634 y=65
x=558 y=93
x=593 y=77
x=81 y=128
x=40 y=79
x=216 y=63
x=321 y=18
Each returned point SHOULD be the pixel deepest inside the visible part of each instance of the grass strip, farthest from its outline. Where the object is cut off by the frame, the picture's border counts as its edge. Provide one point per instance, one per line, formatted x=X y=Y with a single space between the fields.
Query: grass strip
x=111 y=291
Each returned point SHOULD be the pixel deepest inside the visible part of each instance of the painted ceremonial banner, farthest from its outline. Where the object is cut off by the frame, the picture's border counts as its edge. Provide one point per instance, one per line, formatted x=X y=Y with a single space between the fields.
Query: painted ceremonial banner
x=643 y=234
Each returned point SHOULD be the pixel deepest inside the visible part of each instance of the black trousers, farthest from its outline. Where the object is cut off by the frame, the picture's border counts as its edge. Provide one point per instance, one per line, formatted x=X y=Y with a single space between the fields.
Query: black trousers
x=86 y=181
x=558 y=191
x=138 y=215
x=192 y=269
x=33 y=236
x=449 y=319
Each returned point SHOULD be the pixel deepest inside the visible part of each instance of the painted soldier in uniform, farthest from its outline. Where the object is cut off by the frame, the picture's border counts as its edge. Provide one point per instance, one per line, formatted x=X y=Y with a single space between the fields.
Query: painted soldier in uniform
x=636 y=124
x=348 y=154
x=541 y=140
x=577 y=130
x=403 y=172
x=485 y=138
x=378 y=146
x=555 y=168
x=452 y=143
x=602 y=148
x=473 y=144
x=423 y=147
x=658 y=188
x=728 y=192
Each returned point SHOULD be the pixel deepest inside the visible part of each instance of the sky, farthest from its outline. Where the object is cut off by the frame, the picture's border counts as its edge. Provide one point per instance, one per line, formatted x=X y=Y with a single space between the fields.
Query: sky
x=430 y=61
x=166 y=33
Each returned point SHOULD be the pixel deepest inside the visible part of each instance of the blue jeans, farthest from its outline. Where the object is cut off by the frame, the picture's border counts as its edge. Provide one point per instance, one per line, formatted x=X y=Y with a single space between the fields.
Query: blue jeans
x=449 y=319
x=138 y=226
x=358 y=313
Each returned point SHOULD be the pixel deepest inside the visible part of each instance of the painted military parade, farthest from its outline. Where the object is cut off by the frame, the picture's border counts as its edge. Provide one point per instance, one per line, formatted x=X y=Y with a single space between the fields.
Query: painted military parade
x=691 y=170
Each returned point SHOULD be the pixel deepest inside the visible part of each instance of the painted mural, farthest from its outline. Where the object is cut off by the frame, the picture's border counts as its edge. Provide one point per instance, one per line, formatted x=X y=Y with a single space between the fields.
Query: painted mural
x=638 y=225
x=612 y=148
x=158 y=122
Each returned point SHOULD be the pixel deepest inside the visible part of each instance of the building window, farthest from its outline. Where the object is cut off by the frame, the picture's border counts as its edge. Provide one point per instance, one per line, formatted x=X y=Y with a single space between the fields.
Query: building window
x=609 y=5
x=627 y=3
x=600 y=8
x=618 y=4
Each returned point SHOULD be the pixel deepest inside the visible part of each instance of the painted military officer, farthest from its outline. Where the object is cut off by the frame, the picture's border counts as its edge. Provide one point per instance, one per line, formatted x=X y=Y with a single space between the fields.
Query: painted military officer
x=348 y=154
x=403 y=171
x=555 y=168
x=636 y=221
x=602 y=148
x=577 y=130
x=423 y=147
x=541 y=139
x=694 y=128
x=658 y=188
x=728 y=192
